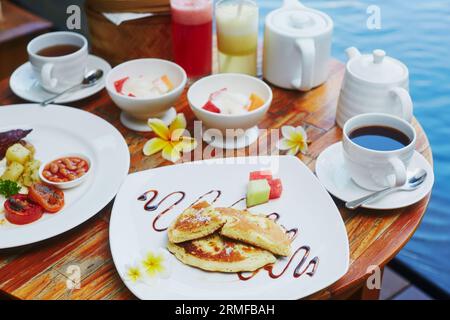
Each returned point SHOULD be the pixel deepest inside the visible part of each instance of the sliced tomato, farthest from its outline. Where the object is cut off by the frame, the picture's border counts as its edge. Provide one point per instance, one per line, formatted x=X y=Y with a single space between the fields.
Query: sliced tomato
x=211 y=107
x=48 y=197
x=20 y=210
x=258 y=175
x=118 y=84
x=276 y=188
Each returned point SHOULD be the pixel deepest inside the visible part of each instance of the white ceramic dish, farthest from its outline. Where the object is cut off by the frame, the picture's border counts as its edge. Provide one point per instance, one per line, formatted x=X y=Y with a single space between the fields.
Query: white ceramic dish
x=304 y=204
x=24 y=83
x=73 y=183
x=59 y=130
x=136 y=111
x=198 y=95
x=333 y=174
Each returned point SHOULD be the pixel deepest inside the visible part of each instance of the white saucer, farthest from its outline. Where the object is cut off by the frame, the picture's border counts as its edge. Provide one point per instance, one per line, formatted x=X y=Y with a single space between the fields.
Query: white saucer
x=234 y=142
x=141 y=125
x=25 y=85
x=332 y=173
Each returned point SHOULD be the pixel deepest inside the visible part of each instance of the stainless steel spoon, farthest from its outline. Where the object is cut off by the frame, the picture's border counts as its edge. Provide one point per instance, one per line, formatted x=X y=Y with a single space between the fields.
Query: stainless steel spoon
x=91 y=78
x=414 y=181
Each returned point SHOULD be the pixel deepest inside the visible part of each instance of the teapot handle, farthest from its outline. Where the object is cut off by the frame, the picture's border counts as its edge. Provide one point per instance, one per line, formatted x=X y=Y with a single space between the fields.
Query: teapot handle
x=308 y=51
x=405 y=102
x=292 y=4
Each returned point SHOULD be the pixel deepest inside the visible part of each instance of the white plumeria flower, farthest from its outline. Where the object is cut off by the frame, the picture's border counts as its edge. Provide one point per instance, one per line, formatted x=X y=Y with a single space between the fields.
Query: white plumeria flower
x=155 y=263
x=134 y=273
x=294 y=140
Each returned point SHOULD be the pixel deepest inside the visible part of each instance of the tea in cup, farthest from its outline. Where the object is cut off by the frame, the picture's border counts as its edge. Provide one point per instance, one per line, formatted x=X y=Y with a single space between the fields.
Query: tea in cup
x=378 y=149
x=58 y=59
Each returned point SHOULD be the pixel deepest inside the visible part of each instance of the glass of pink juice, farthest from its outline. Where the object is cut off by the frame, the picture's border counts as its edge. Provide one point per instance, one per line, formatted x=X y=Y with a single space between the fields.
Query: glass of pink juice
x=192 y=35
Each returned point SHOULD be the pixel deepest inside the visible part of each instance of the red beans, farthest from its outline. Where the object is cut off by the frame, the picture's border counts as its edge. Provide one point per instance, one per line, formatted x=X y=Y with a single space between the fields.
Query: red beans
x=65 y=169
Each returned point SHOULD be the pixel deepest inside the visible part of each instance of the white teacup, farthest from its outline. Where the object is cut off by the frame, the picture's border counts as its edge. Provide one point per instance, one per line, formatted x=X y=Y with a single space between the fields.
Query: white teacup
x=374 y=169
x=58 y=73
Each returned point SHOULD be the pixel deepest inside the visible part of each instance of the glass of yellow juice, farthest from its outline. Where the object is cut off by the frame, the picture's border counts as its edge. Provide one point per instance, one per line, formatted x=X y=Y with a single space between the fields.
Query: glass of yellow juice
x=237 y=35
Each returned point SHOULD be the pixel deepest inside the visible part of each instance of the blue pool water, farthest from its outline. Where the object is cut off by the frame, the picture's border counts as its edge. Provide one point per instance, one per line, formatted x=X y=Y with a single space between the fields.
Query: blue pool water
x=418 y=33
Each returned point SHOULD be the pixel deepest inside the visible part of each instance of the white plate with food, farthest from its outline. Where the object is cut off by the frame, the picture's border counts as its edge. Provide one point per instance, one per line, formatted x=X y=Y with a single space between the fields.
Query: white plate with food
x=24 y=83
x=184 y=231
x=67 y=163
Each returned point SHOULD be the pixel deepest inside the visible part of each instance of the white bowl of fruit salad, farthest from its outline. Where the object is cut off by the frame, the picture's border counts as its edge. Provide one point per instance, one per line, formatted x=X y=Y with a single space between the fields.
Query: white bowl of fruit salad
x=145 y=88
x=230 y=103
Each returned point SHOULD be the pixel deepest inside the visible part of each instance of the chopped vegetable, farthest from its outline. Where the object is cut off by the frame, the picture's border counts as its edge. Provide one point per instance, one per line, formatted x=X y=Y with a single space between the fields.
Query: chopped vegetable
x=258 y=192
x=9 y=188
x=8 y=138
x=18 y=153
x=13 y=171
x=30 y=174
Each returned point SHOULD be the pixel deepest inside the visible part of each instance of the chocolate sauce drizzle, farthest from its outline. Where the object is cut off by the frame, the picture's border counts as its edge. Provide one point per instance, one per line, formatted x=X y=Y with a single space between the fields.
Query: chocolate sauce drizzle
x=235 y=203
x=300 y=269
x=217 y=192
x=149 y=207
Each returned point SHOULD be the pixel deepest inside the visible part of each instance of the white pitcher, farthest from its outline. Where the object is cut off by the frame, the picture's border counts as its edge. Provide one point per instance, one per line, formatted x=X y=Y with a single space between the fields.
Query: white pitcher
x=374 y=83
x=297 y=46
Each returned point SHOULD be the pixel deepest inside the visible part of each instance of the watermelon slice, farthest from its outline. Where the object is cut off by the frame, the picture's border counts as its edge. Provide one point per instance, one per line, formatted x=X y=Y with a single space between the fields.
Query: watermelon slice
x=275 y=188
x=118 y=84
x=211 y=107
x=263 y=174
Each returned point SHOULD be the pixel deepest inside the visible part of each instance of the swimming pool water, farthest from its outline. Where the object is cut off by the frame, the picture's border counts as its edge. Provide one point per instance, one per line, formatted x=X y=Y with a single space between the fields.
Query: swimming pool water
x=416 y=32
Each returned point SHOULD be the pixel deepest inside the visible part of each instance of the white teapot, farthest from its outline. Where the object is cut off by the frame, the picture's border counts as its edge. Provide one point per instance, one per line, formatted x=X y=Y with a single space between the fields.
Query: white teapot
x=297 y=46
x=374 y=83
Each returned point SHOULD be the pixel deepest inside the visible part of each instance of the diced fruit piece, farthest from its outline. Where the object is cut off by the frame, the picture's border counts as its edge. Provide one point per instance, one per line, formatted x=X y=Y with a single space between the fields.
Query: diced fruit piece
x=163 y=84
x=13 y=171
x=255 y=102
x=263 y=174
x=217 y=93
x=17 y=153
x=118 y=84
x=275 y=188
x=167 y=81
x=258 y=192
x=211 y=107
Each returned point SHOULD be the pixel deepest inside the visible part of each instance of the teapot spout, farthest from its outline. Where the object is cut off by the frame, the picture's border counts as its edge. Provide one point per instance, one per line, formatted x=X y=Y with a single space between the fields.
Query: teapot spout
x=352 y=52
x=292 y=4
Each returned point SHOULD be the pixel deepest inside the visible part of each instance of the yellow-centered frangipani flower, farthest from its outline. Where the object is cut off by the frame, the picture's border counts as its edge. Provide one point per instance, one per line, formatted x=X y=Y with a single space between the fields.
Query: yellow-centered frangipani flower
x=294 y=140
x=170 y=140
x=133 y=273
x=154 y=264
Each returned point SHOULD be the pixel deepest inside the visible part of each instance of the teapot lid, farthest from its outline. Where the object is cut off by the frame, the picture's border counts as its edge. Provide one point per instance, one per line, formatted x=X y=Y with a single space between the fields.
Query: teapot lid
x=377 y=67
x=299 y=21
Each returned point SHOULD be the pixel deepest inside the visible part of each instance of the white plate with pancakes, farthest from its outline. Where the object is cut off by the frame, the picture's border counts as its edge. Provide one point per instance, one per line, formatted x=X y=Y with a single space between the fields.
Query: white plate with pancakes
x=151 y=201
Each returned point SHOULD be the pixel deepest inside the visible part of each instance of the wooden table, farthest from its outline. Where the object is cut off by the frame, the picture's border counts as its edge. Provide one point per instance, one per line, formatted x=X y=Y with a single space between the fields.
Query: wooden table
x=17 y=28
x=39 y=271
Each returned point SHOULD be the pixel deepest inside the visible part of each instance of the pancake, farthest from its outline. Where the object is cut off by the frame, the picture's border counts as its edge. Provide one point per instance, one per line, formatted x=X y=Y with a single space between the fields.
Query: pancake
x=195 y=222
x=216 y=253
x=254 y=229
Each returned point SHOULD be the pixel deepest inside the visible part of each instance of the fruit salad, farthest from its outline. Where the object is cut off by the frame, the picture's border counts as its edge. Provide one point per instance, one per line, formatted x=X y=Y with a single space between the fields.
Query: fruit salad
x=262 y=187
x=227 y=102
x=143 y=86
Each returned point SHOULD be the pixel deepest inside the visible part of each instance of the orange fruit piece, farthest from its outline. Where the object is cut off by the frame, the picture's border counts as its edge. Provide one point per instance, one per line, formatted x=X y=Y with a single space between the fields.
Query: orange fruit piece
x=255 y=102
x=167 y=81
